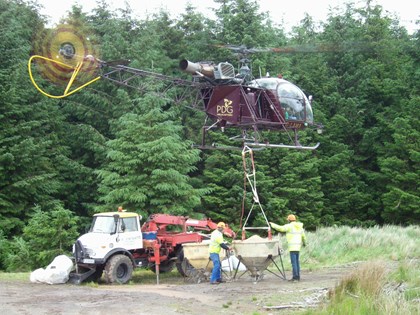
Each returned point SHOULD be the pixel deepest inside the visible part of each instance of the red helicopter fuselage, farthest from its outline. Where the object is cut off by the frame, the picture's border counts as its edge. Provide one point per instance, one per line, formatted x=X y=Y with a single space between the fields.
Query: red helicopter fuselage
x=268 y=103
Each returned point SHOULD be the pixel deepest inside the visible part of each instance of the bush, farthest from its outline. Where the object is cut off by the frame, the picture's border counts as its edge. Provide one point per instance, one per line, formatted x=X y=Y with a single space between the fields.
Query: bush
x=47 y=235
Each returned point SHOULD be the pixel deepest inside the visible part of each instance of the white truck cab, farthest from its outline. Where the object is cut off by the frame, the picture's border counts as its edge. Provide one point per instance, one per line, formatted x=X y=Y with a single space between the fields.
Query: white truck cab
x=112 y=237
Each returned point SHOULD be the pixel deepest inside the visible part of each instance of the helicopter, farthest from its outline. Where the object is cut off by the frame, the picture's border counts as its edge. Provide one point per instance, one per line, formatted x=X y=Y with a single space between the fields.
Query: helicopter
x=230 y=98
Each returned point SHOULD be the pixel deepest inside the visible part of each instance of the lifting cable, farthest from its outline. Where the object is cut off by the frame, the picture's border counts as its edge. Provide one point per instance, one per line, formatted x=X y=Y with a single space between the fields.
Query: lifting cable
x=250 y=178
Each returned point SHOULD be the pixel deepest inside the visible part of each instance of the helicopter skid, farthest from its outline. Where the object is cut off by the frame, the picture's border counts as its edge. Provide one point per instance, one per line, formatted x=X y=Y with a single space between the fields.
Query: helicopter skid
x=255 y=146
x=285 y=146
x=216 y=147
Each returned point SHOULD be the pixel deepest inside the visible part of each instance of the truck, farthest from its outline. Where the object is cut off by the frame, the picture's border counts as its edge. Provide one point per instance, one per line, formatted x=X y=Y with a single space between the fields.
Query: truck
x=116 y=243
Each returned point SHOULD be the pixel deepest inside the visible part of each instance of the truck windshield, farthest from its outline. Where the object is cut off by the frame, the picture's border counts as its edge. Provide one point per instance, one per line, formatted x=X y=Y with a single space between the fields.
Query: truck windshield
x=103 y=225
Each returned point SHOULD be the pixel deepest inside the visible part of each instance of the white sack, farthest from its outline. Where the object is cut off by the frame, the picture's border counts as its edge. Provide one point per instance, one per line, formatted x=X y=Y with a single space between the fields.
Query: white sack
x=38 y=275
x=57 y=272
x=231 y=263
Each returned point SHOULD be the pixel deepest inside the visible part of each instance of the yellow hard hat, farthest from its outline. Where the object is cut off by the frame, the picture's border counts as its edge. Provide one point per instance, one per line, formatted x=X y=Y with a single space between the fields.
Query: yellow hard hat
x=221 y=224
x=291 y=217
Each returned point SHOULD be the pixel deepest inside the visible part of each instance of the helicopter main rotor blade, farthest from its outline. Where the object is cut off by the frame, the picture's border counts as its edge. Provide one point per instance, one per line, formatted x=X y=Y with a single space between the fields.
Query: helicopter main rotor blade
x=242 y=49
x=304 y=48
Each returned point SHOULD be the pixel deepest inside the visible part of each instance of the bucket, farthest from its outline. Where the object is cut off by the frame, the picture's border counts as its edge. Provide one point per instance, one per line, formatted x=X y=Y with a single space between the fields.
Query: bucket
x=198 y=254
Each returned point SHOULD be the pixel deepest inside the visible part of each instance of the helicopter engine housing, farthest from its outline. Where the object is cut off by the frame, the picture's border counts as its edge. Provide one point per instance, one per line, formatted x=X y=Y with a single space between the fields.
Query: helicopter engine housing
x=223 y=71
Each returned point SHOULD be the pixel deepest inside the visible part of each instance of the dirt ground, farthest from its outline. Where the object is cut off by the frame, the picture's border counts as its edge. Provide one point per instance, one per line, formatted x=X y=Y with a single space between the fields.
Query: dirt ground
x=242 y=295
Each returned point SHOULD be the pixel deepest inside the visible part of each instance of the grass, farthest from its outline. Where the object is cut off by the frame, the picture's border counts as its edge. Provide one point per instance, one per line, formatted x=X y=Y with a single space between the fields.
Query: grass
x=145 y=276
x=387 y=280
x=371 y=289
x=332 y=246
x=140 y=275
x=13 y=276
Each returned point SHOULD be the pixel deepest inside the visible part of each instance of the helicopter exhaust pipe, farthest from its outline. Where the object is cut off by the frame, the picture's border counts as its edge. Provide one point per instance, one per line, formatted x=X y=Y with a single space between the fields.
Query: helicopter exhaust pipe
x=202 y=69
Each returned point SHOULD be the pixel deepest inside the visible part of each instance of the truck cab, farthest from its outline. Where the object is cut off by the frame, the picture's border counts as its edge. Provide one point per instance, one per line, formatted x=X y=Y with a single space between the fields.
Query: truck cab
x=110 y=231
x=108 y=246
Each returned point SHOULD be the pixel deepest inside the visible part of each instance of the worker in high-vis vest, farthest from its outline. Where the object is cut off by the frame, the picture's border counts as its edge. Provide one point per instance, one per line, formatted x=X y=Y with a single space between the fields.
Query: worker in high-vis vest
x=216 y=244
x=295 y=236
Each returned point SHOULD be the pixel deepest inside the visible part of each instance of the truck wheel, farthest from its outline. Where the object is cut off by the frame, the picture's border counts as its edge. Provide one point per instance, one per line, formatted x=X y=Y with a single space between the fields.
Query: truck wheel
x=118 y=269
x=165 y=266
x=183 y=265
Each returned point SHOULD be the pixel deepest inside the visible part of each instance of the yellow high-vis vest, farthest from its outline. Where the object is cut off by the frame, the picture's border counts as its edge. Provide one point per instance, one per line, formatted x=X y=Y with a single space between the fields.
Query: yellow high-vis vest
x=215 y=240
x=295 y=234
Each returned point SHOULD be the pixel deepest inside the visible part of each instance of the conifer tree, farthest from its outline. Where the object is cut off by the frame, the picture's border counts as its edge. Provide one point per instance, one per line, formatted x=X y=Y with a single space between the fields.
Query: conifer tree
x=400 y=167
x=28 y=125
x=148 y=162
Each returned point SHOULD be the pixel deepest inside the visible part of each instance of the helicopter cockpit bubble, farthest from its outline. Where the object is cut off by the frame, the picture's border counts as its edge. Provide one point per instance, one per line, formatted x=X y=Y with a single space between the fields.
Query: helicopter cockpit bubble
x=293 y=101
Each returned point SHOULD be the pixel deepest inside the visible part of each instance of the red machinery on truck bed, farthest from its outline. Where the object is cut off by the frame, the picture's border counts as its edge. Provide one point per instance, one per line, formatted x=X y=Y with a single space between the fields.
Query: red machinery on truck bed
x=115 y=245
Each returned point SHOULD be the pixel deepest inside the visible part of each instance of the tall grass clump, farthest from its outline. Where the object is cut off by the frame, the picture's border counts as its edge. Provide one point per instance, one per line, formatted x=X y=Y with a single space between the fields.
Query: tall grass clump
x=365 y=281
x=404 y=285
x=368 y=290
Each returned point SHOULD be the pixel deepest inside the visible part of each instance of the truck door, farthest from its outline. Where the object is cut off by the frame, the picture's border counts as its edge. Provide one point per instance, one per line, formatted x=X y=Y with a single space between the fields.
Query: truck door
x=129 y=234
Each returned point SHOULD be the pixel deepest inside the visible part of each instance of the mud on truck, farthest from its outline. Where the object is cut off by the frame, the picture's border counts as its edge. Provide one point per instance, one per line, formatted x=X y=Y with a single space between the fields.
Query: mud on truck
x=117 y=243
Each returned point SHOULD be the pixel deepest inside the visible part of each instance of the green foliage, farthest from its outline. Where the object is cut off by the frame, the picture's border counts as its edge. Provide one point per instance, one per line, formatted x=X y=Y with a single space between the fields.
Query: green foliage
x=240 y=22
x=27 y=136
x=295 y=185
x=225 y=179
x=400 y=166
x=4 y=249
x=18 y=256
x=194 y=27
x=149 y=163
x=49 y=233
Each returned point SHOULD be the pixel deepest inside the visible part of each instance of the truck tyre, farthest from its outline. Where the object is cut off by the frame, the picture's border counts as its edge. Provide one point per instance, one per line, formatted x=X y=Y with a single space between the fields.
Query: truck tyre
x=183 y=265
x=118 y=269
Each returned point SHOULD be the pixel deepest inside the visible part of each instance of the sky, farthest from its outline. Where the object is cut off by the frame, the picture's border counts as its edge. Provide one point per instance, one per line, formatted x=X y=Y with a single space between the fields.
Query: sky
x=290 y=11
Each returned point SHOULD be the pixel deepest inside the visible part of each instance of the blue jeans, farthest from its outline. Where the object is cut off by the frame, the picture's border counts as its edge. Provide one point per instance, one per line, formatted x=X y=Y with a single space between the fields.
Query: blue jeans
x=216 y=273
x=294 y=258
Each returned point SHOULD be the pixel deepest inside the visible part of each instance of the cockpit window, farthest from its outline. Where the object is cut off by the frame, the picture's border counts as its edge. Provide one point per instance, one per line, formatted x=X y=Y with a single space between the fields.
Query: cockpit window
x=294 y=102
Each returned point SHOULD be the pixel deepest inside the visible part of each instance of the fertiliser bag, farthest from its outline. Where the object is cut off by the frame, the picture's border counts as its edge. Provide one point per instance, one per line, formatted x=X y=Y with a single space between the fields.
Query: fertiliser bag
x=56 y=273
